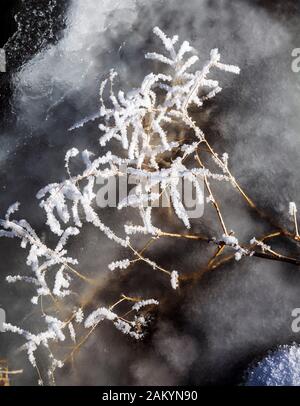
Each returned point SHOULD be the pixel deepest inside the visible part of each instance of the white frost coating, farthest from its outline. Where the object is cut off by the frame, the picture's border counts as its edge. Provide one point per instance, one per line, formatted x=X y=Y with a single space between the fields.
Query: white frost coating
x=40 y=257
x=72 y=332
x=292 y=208
x=137 y=306
x=54 y=333
x=174 y=280
x=264 y=247
x=79 y=316
x=99 y=315
x=280 y=368
x=230 y=240
x=127 y=329
x=140 y=121
x=130 y=328
x=62 y=283
x=238 y=256
x=84 y=121
x=74 y=57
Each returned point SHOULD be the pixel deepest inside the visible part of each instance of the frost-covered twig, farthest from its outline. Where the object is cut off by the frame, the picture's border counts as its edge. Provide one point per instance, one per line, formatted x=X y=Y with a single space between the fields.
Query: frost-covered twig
x=293 y=214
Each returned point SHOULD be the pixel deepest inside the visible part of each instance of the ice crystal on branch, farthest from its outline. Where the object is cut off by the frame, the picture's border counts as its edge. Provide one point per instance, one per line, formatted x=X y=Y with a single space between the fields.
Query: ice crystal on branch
x=174 y=280
x=133 y=328
x=140 y=121
x=292 y=209
x=40 y=257
x=124 y=264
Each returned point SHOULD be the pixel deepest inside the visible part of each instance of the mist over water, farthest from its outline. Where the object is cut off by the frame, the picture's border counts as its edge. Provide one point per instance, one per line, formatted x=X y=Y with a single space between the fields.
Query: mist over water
x=212 y=329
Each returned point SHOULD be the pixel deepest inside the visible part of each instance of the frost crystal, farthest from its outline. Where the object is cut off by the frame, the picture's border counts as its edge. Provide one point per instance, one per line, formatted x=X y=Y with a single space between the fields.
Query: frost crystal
x=124 y=264
x=279 y=368
x=79 y=316
x=99 y=315
x=140 y=122
x=292 y=208
x=144 y=303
